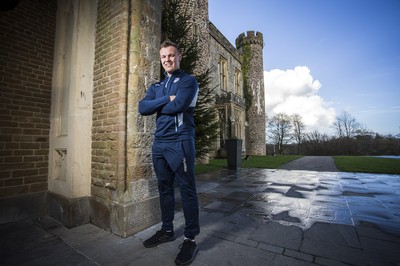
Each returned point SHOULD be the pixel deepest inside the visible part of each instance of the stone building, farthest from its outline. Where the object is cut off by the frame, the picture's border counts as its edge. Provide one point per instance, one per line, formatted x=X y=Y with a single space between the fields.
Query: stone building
x=73 y=145
x=237 y=118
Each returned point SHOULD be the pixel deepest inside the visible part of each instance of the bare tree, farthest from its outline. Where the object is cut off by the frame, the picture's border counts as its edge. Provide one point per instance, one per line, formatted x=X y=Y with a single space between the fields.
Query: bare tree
x=316 y=143
x=317 y=137
x=280 y=130
x=346 y=125
x=363 y=130
x=298 y=130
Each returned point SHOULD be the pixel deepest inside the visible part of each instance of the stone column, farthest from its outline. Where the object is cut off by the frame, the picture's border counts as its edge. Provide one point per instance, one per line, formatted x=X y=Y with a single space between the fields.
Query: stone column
x=124 y=196
x=71 y=112
x=139 y=203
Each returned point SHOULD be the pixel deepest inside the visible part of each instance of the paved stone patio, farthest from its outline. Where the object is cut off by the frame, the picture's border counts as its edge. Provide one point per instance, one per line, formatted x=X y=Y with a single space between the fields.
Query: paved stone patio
x=250 y=217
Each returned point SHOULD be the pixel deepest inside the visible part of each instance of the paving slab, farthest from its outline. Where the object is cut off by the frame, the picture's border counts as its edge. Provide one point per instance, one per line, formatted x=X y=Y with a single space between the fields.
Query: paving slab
x=27 y=243
x=250 y=217
x=276 y=234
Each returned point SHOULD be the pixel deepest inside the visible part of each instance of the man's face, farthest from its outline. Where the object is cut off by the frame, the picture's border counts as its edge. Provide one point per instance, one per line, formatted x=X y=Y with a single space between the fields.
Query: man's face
x=170 y=59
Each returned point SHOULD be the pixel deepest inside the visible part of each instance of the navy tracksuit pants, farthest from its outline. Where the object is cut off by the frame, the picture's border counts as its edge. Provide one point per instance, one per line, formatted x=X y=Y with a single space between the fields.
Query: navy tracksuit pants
x=177 y=160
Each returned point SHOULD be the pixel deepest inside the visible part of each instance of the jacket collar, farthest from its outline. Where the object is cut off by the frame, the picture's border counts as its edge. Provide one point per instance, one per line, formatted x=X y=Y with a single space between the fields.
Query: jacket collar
x=175 y=73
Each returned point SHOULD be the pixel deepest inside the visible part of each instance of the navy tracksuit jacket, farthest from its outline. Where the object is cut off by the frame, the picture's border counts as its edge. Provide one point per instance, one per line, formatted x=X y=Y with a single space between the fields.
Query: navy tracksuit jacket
x=175 y=119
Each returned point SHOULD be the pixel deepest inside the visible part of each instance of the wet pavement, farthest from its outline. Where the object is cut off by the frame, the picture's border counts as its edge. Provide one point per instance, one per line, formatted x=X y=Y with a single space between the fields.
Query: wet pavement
x=312 y=163
x=249 y=217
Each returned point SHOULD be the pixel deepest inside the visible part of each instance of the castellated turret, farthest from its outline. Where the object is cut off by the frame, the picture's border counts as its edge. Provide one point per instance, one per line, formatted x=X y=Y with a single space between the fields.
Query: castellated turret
x=250 y=48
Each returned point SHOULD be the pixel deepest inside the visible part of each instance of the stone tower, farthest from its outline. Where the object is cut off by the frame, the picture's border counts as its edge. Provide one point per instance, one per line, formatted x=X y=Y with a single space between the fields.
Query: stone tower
x=250 y=48
x=198 y=10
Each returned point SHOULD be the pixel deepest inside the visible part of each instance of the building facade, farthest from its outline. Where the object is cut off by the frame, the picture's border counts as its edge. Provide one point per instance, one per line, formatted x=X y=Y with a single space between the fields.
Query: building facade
x=73 y=145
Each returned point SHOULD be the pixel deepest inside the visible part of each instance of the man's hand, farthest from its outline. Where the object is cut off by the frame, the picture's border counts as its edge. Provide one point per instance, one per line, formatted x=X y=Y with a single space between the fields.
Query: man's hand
x=172 y=97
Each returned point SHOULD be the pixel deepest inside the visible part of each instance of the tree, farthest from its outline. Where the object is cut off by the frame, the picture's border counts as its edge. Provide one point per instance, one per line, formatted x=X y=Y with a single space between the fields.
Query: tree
x=207 y=127
x=298 y=128
x=280 y=130
x=316 y=143
x=176 y=26
x=352 y=135
x=346 y=126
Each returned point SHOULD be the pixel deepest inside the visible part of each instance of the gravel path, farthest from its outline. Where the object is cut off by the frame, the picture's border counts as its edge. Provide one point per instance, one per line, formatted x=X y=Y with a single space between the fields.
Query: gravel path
x=312 y=163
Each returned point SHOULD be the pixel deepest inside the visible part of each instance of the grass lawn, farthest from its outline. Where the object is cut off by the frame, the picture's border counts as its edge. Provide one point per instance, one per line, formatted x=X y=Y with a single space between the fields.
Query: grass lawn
x=366 y=164
x=270 y=162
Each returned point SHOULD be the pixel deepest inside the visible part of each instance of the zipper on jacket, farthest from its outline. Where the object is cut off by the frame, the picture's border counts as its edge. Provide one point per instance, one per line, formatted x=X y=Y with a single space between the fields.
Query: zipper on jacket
x=166 y=89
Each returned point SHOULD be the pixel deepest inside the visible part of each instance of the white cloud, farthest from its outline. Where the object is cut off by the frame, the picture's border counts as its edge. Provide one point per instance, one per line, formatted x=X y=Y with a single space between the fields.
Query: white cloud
x=295 y=91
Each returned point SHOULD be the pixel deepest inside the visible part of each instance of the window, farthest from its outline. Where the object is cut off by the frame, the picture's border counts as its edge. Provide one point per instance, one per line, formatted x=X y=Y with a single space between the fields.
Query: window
x=238 y=82
x=223 y=74
x=238 y=124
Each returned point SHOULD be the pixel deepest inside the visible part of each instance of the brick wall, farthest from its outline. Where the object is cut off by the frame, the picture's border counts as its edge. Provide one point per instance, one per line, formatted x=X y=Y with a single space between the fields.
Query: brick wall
x=26 y=61
x=126 y=62
x=109 y=96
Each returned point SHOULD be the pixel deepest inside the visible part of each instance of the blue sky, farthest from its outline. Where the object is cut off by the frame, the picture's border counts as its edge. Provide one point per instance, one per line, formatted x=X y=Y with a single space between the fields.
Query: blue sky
x=323 y=57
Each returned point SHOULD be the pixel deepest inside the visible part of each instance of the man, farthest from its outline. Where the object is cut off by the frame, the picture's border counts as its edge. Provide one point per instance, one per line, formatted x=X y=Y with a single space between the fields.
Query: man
x=173 y=100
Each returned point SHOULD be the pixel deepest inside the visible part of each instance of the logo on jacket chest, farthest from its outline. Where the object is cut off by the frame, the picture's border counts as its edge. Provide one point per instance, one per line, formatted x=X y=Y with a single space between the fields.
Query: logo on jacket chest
x=168 y=89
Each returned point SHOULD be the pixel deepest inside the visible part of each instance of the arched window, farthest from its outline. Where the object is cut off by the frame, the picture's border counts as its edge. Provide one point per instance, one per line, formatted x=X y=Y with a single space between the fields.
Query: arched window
x=238 y=82
x=223 y=73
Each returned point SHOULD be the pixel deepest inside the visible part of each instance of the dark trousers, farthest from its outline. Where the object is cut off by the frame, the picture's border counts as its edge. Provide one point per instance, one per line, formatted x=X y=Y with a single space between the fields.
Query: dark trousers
x=177 y=160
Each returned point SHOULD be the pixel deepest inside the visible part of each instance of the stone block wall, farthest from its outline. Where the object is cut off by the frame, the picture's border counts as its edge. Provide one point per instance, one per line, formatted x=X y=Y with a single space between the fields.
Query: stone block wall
x=126 y=62
x=220 y=46
x=198 y=10
x=27 y=35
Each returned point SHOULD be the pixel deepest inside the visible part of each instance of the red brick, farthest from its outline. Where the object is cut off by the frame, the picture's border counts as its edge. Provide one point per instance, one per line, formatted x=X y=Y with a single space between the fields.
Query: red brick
x=5 y=174
x=24 y=173
x=13 y=182
x=38 y=187
x=35 y=179
x=11 y=191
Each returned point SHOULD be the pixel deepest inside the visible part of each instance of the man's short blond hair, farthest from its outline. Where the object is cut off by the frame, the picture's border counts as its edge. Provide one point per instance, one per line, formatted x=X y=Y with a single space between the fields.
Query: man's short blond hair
x=167 y=43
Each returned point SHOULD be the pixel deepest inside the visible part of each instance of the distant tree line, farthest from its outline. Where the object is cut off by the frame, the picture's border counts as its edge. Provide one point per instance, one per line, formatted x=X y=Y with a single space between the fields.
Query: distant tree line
x=286 y=134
